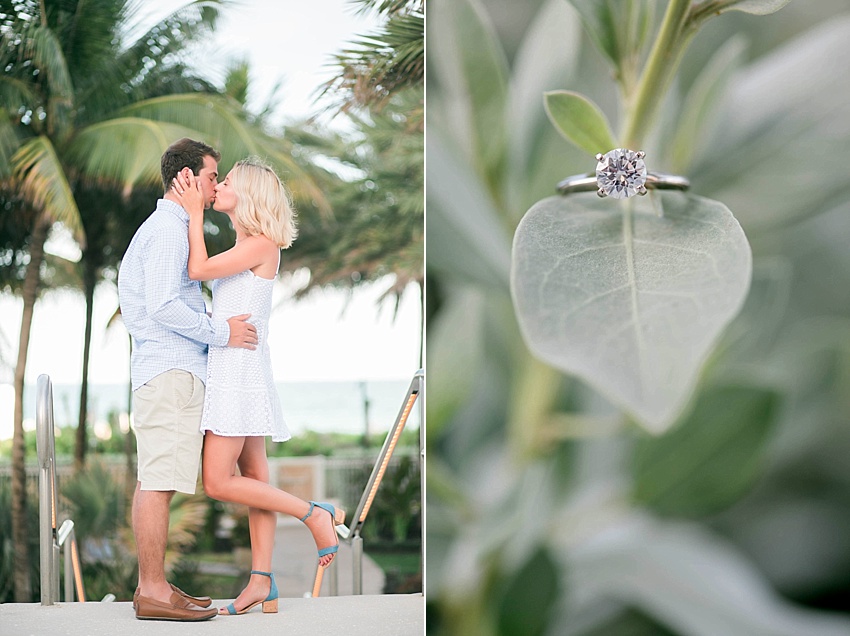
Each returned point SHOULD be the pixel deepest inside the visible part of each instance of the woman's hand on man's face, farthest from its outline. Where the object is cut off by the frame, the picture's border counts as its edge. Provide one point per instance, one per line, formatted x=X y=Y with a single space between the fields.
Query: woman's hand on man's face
x=187 y=189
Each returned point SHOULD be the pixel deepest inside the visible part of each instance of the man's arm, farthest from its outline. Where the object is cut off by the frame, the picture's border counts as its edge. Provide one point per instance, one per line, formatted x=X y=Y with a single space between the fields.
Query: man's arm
x=165 y=305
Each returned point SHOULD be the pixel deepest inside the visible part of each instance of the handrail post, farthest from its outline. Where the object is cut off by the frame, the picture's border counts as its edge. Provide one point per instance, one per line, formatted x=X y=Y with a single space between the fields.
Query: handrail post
x=51 y=539
x=69 y=574
x=48 y=552
x=357 y=563
x=414 y=392
x=421 y=375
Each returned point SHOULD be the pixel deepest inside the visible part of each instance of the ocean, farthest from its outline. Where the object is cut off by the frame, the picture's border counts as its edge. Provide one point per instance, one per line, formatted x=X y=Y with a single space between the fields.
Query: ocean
x=324 y=407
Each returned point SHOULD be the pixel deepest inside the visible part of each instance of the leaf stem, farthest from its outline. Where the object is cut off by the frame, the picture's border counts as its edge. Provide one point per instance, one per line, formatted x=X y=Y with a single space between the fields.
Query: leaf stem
x=660 y=69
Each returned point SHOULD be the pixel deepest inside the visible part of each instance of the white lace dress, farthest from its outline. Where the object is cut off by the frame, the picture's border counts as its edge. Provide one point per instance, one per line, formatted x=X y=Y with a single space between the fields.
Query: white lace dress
x=241 y=398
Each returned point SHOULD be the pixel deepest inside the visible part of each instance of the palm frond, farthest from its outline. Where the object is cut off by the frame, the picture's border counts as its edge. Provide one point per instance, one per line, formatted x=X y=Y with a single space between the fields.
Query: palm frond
x=299 y=182
x=389 y=7
x=217 y=120
x=236 y=82
x=186 y=518
x=185 y=25
x=380 y=64
x=45 y=50
x=15 y=93
x=139 y=64
x=88 y=31
x=42 y=181
x=8 y=145
x=125 y=150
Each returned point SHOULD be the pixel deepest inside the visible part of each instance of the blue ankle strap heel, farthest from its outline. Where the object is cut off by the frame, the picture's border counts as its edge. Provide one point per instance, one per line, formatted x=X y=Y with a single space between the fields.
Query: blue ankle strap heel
x=269 y=604
x=337 y=518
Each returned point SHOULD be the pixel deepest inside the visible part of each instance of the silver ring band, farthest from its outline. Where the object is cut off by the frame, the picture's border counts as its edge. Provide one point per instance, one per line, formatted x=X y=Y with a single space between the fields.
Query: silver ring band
x=654 y=180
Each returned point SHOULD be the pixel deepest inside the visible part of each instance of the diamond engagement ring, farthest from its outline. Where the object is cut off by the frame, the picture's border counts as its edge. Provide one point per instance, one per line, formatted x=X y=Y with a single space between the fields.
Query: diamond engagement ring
x=621 y=174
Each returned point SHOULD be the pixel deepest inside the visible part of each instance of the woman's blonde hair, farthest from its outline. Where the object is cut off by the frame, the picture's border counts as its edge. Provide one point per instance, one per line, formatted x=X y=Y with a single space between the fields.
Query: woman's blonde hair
x=263 y=205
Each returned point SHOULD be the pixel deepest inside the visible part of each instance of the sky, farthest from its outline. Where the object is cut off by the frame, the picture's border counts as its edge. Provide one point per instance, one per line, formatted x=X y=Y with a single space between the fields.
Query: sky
x=329 y=335
x=288 y=40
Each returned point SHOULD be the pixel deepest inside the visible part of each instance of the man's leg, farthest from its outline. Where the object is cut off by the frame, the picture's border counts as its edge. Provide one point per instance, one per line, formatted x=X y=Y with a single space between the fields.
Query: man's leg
x=150 y=527
x=167 y=415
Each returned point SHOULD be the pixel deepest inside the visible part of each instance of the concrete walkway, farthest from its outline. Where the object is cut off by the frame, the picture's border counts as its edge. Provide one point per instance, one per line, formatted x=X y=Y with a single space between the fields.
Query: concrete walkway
x=294 y=565
x=388 y=615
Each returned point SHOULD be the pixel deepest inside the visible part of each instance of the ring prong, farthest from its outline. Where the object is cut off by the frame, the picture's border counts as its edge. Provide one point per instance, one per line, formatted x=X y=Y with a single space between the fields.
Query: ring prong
x=642 y=190
x=601 y=193
x=599 y=156
x=640 y=154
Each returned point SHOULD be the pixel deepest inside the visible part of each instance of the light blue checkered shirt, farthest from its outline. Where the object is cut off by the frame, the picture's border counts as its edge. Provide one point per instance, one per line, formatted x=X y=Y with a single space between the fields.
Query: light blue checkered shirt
x=162 y=308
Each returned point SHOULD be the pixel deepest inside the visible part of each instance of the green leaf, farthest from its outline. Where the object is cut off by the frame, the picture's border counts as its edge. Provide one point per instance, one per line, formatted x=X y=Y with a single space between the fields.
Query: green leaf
x=540 y=67
x=619 y=28
x=629 y=302
x=755 y=7
x=712 y=458
x=455 y=356
x=580 y=120
x=630 y=622
x=746 y=348
x=472 y=69
x=769 y=156
x=527 y=600
x=465 y=238
x=600 y=24
x=686 y=577
x=699 y=110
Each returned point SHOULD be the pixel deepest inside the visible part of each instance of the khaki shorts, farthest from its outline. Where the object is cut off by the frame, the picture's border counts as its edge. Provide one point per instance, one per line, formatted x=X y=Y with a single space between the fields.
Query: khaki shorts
x=167 y=420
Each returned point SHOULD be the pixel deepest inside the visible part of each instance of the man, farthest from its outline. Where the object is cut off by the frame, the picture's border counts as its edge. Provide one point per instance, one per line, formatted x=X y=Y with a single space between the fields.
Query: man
x=165 y=314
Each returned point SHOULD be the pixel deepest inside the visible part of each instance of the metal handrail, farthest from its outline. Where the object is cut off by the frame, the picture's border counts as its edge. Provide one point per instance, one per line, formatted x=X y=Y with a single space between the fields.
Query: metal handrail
x=51 y=539
x=415 y=391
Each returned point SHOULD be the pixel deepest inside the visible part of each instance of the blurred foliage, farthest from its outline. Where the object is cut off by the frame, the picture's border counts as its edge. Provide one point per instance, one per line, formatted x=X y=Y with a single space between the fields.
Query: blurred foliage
x=733 y=521
x=377 y=226
x=306 y=444
x=395 y=516
x=314 y=443
x=7 y=561
x=95 y=500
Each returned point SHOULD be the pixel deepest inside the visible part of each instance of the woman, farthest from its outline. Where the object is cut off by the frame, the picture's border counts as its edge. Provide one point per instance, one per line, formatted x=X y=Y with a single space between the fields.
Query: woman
x=241 y=406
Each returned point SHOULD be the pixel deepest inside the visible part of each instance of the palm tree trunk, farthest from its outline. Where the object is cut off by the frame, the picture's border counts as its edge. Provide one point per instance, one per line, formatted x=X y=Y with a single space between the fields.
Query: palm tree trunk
x=89 y=282
x=19 y=475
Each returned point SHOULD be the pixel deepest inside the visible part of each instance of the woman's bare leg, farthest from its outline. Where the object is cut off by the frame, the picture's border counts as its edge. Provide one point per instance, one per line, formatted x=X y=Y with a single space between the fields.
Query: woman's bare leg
x=253 y=464
x=221 y=482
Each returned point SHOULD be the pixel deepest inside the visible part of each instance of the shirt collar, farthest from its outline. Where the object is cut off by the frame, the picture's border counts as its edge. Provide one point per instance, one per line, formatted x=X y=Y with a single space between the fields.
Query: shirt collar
x=173 y=208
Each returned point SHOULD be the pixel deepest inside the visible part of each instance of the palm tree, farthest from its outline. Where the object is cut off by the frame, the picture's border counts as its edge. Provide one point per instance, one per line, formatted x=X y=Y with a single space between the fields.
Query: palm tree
x=58 y=59
x=82 y=106
x=380 y=64
x=377 y=226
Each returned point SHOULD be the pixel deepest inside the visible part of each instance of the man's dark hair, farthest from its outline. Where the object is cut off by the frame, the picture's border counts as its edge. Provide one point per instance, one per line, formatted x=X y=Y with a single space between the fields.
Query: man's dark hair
x=184 y=153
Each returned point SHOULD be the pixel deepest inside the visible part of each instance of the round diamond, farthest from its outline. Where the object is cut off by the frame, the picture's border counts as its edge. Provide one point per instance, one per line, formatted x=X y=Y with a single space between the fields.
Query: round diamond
x=621 y=173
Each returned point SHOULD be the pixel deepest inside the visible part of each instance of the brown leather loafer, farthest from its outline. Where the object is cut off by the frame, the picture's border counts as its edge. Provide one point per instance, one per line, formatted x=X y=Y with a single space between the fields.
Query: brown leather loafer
x=177 y=609
x=200 y=601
